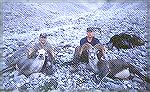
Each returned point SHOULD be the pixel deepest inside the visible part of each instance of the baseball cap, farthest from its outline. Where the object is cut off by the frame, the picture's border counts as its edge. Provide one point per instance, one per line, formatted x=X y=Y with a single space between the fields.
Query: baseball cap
x=90 y=29
x=43 y=35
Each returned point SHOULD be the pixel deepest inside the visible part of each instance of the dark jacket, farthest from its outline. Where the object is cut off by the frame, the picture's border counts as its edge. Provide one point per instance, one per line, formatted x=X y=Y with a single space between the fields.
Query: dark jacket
x=93 y=42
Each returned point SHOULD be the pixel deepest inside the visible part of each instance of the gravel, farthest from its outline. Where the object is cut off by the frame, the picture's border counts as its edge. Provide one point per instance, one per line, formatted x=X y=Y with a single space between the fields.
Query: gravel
x=65 y=25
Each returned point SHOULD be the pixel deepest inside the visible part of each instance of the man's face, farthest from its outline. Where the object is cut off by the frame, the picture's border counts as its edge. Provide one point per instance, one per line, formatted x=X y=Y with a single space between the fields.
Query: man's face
x=90 y=34
x=43 y=40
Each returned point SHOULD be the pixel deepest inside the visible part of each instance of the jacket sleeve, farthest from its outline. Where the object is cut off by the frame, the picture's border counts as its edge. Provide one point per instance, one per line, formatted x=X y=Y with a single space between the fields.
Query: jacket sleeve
x=82 y=41
x=97 y=41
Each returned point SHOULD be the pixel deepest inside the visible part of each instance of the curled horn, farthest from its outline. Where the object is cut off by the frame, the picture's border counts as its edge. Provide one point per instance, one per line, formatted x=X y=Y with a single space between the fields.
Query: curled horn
x=101 y=50
x=84 y=47
x=100 y=47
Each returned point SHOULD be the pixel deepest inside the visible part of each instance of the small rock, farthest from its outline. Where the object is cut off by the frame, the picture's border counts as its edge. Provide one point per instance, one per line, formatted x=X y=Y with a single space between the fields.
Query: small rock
x=14 y=47
x=20 y=44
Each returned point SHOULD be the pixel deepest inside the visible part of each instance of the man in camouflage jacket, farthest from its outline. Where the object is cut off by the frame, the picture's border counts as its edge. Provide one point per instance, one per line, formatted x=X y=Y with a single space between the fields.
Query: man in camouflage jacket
x=43 y=44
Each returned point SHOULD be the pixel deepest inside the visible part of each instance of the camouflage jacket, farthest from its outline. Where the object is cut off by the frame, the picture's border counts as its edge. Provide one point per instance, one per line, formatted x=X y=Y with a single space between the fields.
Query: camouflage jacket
x=31 y=52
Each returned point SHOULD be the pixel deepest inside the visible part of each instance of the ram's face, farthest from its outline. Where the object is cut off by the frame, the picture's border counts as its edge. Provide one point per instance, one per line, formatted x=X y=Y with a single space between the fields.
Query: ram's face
x=41 y=54
x=92 y=53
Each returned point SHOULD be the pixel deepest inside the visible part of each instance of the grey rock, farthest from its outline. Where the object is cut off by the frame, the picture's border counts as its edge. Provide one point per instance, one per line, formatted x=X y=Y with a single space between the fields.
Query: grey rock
x=20 y=44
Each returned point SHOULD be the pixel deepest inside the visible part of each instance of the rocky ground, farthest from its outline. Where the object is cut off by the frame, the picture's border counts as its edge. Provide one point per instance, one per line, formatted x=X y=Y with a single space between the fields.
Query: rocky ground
x=65 y=24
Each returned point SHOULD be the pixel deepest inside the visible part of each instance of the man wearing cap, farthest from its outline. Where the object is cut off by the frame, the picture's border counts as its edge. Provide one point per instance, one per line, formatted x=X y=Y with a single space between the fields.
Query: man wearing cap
x=80 y=54
x=90 y=39
x=42 y=44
